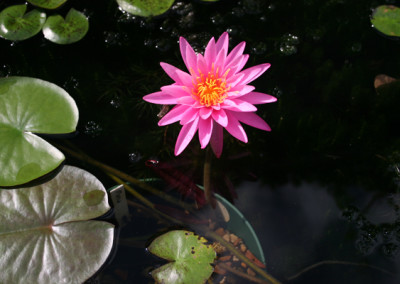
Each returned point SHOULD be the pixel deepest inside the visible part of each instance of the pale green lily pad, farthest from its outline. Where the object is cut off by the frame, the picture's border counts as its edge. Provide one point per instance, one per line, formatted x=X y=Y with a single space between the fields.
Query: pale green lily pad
x=145 y=8
x=70 y=30
x=190 y=258
x=46 y=235
x=47 y=4
x=386 y=19
x=28 y=106
x=16 y=25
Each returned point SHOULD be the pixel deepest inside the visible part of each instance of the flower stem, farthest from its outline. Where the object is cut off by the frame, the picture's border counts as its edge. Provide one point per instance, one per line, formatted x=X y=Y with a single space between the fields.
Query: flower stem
x=207 y=179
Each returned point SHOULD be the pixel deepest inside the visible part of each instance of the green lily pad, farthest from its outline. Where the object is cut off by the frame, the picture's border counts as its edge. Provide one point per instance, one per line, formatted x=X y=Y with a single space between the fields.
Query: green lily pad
x=70 y=30
x=386 y=19
x=16 y=25
x=46 y=235
x=190 y=258
x=145 y=8
x=28 y=106
x=47 y=4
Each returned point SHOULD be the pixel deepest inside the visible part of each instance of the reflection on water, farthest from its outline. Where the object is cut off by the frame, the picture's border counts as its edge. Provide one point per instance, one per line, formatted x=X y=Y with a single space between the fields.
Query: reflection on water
x=314 y=231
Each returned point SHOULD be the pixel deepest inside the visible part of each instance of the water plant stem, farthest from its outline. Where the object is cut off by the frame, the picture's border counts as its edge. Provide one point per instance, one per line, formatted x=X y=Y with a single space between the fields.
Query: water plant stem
x=207 y=178
x=143 y=199
x=242 y=274
x=308 y=268
x=241 y=256
x=126 y=177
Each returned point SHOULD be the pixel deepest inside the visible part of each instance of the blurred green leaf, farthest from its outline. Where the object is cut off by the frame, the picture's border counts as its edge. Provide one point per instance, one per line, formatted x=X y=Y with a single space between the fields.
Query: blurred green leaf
x=190 y=258
x=16 y=25
x=46 y=235
x=386 y=19
x=70 y=30
x=28 y=106
x=47 y=4
x=145 y=8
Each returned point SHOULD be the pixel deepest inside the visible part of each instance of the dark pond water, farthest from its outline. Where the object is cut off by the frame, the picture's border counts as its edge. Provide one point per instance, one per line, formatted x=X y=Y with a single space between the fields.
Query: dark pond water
x=322 y=188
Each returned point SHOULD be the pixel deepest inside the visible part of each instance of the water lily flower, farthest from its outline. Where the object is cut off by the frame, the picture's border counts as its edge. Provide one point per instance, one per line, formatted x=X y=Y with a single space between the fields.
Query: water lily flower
x=214 y=94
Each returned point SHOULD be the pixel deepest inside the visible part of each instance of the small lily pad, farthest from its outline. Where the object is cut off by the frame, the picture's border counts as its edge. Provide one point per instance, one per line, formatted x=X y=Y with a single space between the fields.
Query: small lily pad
x=28 y=106
x=386 y=19
x=46 y=231
x=47 y=4
x=70 y=30
x=16 y=25
x=145 y=8
x=190 y=258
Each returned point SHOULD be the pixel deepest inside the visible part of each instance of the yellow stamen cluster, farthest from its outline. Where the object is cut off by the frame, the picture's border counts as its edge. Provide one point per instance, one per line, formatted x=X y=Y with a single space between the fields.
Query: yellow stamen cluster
x=210 y=90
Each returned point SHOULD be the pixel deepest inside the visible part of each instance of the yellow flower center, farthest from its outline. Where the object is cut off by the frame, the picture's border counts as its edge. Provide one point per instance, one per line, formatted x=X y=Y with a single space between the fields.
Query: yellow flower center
x=211 y=89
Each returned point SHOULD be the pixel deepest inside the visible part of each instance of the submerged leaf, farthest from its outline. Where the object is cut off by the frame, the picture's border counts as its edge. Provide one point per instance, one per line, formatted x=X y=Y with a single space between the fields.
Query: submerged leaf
x=16 y=25
x=386 y=19
x=45 y=235
x=27 y=106
x=145 y=8
x=177 y=179
x=70 y=30
x=190 y=258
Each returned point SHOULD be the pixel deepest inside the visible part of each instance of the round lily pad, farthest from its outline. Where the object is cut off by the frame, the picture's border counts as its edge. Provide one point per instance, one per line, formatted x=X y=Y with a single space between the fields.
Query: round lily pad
x=386 y=19
x=28 y=106
x=190 y=258
x=70 y=30
x=145 y=8
x=47 y=4
x=16 y=25
x=46 y=235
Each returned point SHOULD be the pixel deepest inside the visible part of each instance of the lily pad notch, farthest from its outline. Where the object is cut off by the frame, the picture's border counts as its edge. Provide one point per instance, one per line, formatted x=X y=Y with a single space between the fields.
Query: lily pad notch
x=189 y=257
x=29 y=106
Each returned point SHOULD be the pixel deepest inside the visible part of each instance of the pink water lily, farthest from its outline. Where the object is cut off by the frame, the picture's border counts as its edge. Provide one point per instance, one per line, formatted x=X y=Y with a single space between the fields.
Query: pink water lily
x=213 y=95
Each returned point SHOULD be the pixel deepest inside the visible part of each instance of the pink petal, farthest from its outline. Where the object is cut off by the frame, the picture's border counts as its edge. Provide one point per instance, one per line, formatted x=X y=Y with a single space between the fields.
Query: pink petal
x=205 y=131
x=237 y=66
x=233 y=65
x=191 y=59
x=253 y=73
x=252 y=119
x=210 y=53
x=232 y=81
x=220 y=117
x=205 y=112
x=243 y=62
x=187 y=53
x=189 y=115
x=216 y=140
x=185 y=78
x=177 y=91
x=223 y=44
x=235 y=53
x=258 y=98
x=185 y=136
x=171 y=71
x=220 y=60
x=238 y=105
x=239 y=91
x=160 y=98
x=173 y=115
x=202 y=65
x=235 y=128
x=187 y=100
